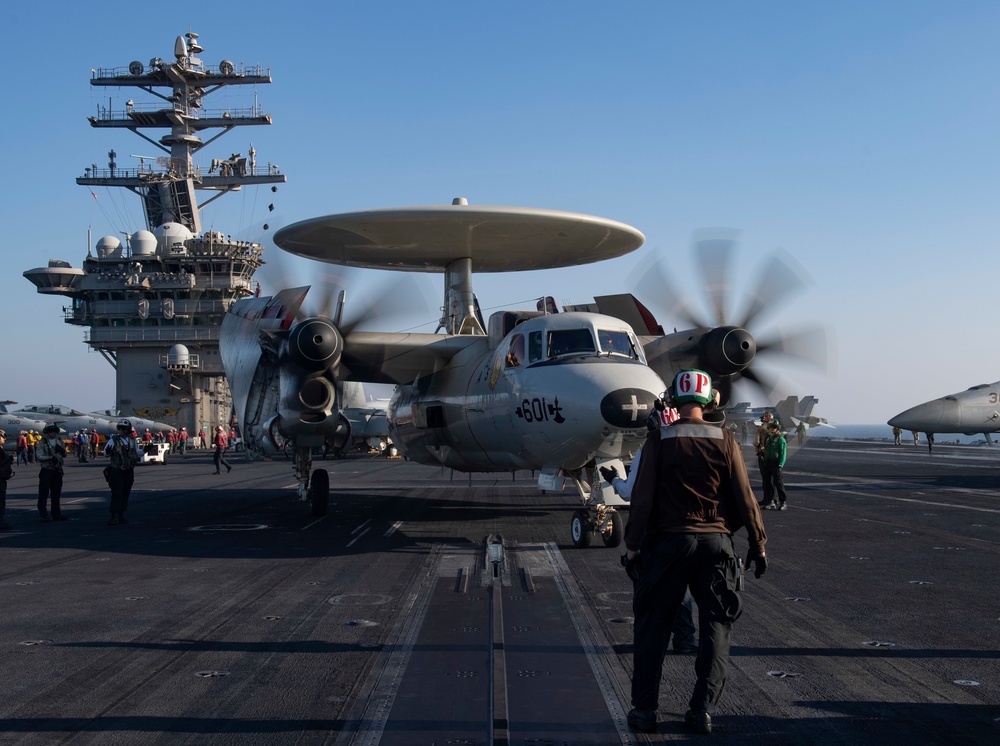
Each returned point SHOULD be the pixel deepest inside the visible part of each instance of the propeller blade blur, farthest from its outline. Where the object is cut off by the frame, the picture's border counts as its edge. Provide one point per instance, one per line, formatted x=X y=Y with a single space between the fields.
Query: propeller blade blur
x=714 y=257
x=779 y=280
x=652 y=284
x=809 y=344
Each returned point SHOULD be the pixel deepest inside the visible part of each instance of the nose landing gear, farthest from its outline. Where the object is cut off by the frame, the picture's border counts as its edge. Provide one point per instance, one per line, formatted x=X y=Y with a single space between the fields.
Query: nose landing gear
x=601 y=520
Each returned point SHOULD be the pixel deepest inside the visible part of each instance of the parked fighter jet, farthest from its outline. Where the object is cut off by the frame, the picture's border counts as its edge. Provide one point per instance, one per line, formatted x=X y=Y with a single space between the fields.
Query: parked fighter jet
x=557 y=393
x=367 y=418
x=14 y=423
x=976 y=410
x=790 y=411
x=139 y=424
x=67 y=418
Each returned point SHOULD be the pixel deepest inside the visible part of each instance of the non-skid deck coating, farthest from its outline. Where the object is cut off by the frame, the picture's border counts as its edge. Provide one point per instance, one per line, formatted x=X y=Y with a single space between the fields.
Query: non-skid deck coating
x=225 y=614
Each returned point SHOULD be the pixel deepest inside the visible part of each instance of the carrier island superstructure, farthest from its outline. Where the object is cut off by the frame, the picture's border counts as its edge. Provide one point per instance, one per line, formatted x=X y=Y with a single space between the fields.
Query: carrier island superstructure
x=153 y=303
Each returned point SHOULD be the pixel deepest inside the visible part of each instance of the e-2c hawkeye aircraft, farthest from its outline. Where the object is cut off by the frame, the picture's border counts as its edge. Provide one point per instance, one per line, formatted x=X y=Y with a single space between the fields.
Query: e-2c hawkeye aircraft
x=556 y=393
x=976 y=410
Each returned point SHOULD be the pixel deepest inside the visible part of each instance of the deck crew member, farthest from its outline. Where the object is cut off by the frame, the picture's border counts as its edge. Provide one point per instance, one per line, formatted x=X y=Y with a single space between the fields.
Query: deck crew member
x=690 y=495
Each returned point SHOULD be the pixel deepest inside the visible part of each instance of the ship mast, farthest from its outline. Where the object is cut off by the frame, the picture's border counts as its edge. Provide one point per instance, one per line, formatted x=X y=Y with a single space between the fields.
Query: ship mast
x=153 y=306
x=168 y=190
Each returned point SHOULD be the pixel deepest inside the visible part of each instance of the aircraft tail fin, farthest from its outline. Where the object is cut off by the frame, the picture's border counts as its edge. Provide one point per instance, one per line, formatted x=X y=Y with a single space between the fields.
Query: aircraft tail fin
x=806 y=406
x=787 y=410
x=629 y=309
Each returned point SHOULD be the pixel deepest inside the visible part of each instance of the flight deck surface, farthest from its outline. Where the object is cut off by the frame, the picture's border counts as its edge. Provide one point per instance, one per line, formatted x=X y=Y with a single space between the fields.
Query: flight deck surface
x=431 y=608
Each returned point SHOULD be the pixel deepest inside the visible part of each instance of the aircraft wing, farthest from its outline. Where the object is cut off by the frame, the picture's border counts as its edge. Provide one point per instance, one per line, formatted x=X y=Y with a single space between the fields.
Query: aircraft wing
x=385 y=357
x=243 y=327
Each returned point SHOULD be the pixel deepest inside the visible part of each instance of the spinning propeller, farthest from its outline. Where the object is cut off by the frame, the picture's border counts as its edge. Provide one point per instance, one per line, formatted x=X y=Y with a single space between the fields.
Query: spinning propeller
x=727 y=346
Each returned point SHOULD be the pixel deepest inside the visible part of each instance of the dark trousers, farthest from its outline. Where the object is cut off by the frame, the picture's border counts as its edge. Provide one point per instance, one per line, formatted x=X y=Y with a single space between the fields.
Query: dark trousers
x=120 y=481
x=672 y=563
x=774 y=483
x=683 y=631
x=50 y=483
x=220 y=459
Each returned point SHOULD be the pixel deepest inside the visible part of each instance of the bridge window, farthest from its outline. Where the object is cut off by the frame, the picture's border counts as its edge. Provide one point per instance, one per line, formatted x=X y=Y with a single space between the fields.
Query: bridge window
x=569 y=341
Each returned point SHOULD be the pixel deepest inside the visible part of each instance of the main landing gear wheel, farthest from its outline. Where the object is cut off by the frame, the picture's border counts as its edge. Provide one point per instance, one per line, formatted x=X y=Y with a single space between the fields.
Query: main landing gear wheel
x=579 y=529
x=319 y=492
x=614 y=531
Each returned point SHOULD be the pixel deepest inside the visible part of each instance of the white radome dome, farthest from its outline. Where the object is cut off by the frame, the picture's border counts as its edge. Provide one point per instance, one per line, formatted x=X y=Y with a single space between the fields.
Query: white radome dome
x=109 y=247
x=143 y=243
x=179 y=355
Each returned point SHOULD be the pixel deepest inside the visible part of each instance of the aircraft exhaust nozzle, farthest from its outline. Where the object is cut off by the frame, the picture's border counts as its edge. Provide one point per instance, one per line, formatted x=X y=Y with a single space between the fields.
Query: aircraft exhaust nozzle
x=728 y=350
x=316 y=394
x=315 y=344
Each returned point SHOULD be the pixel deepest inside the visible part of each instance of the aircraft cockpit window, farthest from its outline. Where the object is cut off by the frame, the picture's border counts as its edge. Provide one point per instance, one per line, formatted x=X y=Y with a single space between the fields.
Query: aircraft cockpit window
x=616 y=342
x=515 y=352
x=569 y=341
x=534 y=347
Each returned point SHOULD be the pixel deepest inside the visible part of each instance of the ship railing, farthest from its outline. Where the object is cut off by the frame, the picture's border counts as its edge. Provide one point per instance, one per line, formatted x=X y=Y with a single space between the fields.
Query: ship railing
x=184 y=361
x=148 y=334
x=144 y=171
x=240 y=70
x=108 y=114
x=130 y=308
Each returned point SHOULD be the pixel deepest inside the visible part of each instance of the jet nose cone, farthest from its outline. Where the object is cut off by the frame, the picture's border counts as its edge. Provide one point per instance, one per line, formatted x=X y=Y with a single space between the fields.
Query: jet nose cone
x=929 y=417
x=627 y=408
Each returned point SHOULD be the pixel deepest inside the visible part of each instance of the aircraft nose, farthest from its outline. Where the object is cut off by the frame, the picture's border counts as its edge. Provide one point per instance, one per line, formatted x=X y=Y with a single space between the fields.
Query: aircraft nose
x=627 y=408
x=930 y=417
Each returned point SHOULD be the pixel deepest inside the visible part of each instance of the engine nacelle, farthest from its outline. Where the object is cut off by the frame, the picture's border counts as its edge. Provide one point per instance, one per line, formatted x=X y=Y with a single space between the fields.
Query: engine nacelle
x=315 y=344
x=722 y=352
x=727 y=350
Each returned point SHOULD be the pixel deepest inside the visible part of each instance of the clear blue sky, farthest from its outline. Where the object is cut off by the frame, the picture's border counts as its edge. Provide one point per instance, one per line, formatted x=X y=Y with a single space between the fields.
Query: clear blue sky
x=859 y=137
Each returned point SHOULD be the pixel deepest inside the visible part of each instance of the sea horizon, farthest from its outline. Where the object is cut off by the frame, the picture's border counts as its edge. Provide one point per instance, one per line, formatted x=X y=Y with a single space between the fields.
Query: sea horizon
x=881 y=432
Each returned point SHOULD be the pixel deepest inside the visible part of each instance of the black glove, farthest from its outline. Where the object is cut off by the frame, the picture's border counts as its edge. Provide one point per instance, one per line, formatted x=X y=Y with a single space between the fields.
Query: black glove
x=760 y=560
x=609 y=473
x=633 y=567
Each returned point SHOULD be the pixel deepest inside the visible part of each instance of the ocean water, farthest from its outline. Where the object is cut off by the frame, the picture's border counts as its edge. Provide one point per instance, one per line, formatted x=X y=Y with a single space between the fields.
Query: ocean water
x=884 y=432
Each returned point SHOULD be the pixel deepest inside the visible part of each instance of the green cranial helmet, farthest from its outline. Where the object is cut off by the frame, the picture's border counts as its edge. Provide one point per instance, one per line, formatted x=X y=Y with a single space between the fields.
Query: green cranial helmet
x=693 y=386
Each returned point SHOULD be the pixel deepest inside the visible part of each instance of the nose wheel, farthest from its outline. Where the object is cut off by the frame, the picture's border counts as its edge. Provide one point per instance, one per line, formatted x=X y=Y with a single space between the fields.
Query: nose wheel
x=319 y=492
x=581 y=529
x=600 y=520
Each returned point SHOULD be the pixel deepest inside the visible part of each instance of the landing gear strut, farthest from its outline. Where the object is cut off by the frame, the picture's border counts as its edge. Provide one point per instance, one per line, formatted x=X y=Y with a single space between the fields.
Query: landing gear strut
x=601 y=520
x=599 y=516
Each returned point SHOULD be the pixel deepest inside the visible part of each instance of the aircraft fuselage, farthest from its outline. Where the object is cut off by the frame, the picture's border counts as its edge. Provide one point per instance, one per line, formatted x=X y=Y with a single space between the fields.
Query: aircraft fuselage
x=976 y=410
x=557 y=392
